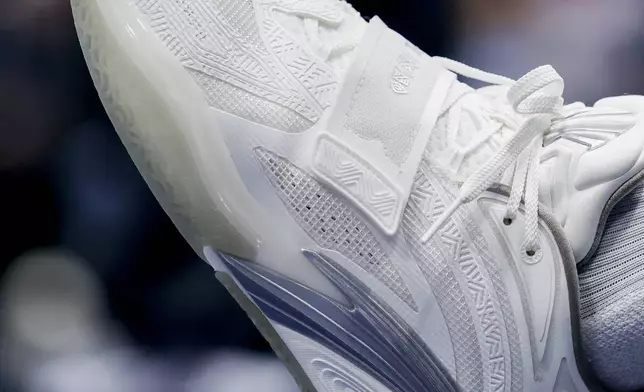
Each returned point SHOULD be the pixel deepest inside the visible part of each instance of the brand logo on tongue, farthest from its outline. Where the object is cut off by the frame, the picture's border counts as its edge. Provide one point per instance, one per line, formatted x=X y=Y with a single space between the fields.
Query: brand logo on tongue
x=405 y=70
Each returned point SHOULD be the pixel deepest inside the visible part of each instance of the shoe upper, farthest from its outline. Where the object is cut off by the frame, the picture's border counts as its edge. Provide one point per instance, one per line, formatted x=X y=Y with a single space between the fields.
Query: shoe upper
x=280 y=82
x=327 y=133
x=286 y=71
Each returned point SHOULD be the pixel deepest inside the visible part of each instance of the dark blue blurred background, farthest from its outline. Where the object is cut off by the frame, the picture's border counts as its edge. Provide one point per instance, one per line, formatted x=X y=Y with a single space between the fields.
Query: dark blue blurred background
x=97 y=288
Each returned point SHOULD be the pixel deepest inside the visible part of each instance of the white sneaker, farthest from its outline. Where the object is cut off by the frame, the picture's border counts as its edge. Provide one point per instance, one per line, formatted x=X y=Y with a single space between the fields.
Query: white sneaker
x=346 y=187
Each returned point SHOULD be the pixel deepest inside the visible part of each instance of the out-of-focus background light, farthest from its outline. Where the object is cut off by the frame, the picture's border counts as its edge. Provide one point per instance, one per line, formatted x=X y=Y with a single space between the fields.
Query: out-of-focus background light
x=99 y=292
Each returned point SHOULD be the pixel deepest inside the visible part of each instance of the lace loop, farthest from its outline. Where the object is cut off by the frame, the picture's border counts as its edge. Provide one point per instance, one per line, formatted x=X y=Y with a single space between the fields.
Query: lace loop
x=538 y=96
x=539 y=91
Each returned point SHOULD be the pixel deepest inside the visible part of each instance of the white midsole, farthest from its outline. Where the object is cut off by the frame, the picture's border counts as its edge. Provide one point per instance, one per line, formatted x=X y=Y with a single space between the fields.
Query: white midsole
x=167 y=125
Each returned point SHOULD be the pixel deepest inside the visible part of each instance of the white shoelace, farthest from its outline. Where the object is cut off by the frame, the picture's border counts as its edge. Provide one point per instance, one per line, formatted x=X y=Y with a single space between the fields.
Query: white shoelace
x=537 y=98
x=536 y=101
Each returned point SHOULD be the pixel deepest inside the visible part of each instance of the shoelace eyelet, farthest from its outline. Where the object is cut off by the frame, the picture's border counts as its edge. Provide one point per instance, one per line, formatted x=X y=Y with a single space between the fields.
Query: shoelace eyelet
x=531 y=256
x=507 y=221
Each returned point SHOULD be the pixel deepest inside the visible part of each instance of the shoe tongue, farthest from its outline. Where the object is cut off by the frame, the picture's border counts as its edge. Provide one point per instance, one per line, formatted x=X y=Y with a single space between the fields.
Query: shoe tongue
x=452 y=136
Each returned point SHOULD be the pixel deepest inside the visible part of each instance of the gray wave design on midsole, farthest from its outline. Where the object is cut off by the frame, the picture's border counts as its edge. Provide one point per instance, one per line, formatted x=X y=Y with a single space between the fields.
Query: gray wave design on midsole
x=370 y=334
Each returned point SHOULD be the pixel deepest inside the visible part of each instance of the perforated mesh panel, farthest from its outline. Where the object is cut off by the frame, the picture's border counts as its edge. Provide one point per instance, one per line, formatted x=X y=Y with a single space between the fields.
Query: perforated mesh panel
x=612 y=298
x=330 y=222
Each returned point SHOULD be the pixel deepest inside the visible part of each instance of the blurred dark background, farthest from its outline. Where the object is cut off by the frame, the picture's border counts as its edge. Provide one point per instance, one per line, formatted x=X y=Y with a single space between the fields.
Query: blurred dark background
x=99 y=292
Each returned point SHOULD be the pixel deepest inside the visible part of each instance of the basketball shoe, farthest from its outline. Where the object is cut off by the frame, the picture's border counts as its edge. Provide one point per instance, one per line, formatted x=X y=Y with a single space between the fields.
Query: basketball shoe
x=387 y=227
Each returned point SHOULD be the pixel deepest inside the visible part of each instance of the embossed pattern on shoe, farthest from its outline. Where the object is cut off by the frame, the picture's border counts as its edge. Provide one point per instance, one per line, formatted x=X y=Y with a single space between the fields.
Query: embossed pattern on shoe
x=330 y=222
